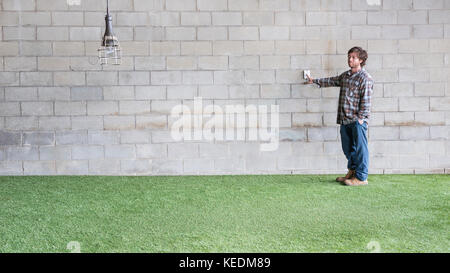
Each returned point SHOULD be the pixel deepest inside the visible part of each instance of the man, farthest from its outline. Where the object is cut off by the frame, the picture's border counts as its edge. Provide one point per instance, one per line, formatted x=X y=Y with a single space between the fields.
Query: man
x=353 y=115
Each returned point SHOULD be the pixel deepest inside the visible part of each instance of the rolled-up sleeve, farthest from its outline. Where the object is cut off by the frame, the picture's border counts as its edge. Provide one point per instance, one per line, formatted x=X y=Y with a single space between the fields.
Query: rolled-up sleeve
x=365 y=99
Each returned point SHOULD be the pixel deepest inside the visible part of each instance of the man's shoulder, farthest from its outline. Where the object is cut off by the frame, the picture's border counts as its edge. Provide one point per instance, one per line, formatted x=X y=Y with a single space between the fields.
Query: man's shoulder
x=366 y=76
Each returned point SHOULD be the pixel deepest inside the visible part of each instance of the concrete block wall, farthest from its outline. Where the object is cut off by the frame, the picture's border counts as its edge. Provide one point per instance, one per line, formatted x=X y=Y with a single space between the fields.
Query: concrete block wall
x=62 y=113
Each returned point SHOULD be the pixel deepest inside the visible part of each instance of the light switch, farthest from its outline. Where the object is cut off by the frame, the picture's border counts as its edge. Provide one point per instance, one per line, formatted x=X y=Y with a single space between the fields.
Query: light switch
x=306 y=74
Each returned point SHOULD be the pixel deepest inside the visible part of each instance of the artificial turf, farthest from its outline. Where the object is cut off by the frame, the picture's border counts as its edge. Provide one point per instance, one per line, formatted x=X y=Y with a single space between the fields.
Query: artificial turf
x=248 y=213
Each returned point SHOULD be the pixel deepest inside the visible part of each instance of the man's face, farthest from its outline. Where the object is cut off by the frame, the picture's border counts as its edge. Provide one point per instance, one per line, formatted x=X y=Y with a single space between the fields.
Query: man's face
x=353 y=60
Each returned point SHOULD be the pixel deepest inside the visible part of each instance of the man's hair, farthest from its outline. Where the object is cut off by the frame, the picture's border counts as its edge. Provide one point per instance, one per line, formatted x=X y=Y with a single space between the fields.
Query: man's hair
x=362 y=54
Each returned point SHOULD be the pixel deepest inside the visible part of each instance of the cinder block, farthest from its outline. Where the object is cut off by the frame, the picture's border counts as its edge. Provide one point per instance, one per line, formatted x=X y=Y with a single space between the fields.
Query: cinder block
x=280 y=91
x=274 y=33
x=196 y=48
x=366 y=5
x=320 y=18
x=396 y=32
x=71 y=137
x=101 y=108
x=68 y=49
x=307 y=120
x=384 y=104
x=53 y=63
x=37 y=108
x=120 y=151
x=86 y=93
x=39 y=167
x=11 y=167
x=69 y=78
x=228 y=77
x=243 y=33
x=414 y=75
x=87 y=152
x=397 y=4
x=181 y=63
x=119 y=122
x=9 y=48
x=118 y=93
x=163 y=106
x=275 y=5
x=195 y=19
x=198 y=77
x=260 y=18
x=103 y=137
x=165 y=77
x=366 y=32
x=132 y=19
x=414 y=104
x=322 y=134
x=102 y=78
x=183 y=150
x=55 y=153
x=10 y=138
x=429 y=89
x=151 y=151
x=351 y=18
x=134 y=107
x=19 y=33
x=258 y=77
x=149 y=33
x=21 y=123
x=384 y=133
x=72 y=167
x=36 y=78
x=54 y=123
x=288 y=76
x=431 y=4
x=163 y=48
x=181 y=92
x=440 y=132
x=240 y=5
x=198 y=166
x=321 y=47
x=256 y=48
x=164 y=166
x=22 y=153
x=38 y=138
x=181 y=33
x=85 y=123
x=429 y=118
x=212 y=33
x=104 y=166
x=399 y=118
x=244 y=91
x=20 y=63
x=9 y=109
x=335 y=33
x=60 y=33
x=150 y=92
x=178 y=5
x=138 y=167
x=134 y=78
x=428 y=31
x=161 y=18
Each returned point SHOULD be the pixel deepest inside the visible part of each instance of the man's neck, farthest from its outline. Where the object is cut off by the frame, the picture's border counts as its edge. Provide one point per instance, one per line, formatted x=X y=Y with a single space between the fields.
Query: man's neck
x=356 y=69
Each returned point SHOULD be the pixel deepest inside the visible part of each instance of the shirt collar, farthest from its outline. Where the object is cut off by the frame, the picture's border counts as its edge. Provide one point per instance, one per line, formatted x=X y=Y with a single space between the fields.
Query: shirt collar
x=349 y=72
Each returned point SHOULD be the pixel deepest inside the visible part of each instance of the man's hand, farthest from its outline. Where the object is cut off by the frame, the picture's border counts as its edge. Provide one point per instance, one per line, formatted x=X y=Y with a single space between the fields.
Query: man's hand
x=310 y=80
x=360 y=121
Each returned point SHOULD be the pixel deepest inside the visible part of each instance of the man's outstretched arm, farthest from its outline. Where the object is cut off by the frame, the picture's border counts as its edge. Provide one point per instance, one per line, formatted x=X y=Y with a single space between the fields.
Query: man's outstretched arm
x=326 y=82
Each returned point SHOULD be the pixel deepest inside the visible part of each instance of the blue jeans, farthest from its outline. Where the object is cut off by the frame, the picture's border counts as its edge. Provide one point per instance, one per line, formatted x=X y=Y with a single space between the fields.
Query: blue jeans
x=354 y=145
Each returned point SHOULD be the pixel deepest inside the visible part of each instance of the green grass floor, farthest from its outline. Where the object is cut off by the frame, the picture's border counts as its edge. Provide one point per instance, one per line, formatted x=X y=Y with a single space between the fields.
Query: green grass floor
x=265 y=213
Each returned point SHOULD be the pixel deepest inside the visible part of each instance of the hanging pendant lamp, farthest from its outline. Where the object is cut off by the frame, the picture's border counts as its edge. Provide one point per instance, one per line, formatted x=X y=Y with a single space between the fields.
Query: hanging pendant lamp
x=109 y=52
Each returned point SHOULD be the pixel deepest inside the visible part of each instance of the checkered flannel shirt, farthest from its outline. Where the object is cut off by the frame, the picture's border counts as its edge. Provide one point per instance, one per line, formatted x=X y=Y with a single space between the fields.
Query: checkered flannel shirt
x=355 y=95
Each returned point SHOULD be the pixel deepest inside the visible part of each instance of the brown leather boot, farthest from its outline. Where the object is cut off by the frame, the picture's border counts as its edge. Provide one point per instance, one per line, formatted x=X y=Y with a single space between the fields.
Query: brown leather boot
x=355 y=182
x=350 y=174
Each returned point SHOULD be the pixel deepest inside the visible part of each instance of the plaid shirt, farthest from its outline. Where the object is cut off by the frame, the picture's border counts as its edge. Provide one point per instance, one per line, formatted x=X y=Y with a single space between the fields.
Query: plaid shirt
x=355 y=95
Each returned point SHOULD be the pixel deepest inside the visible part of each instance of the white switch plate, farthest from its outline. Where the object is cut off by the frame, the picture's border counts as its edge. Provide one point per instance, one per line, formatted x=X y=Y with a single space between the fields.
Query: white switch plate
x=306 y=73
